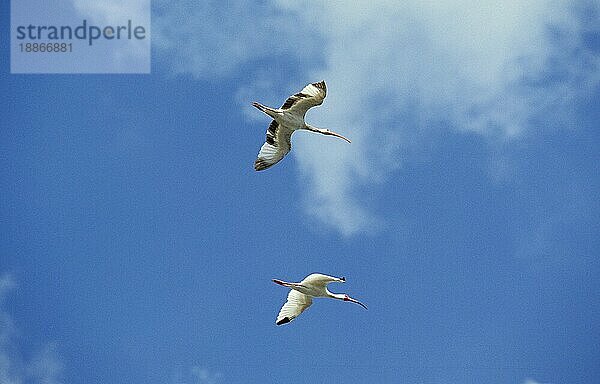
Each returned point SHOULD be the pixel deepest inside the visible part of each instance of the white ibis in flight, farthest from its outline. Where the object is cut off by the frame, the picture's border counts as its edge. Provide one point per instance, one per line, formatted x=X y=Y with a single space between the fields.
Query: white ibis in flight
x=302 y=293
x=286 y=120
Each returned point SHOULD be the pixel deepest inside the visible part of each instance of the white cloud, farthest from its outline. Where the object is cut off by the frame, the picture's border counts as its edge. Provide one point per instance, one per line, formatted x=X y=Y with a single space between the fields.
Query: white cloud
x=43 y=368
x=107 y=10
x=129 y=54
x=394 y=70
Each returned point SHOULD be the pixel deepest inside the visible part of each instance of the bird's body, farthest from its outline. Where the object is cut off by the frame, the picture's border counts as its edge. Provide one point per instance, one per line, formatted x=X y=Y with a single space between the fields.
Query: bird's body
x=302 y=293
x=288 y=119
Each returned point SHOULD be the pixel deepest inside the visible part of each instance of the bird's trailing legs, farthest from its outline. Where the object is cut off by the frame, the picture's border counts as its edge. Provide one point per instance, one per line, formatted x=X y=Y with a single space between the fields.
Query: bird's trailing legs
x=287 y=284
x=268 y=110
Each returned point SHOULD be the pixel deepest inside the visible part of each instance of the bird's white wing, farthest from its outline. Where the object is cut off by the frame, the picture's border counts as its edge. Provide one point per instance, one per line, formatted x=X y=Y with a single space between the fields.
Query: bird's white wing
x=296 y=303
x=276 y=146
x=310 y=96
x=320 y=280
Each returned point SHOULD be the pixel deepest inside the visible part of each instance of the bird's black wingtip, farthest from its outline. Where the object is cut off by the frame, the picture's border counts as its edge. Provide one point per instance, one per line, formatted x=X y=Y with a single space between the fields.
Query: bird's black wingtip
x=321 y=85
x=285 y=320
x=343 y=279
x=261 y=165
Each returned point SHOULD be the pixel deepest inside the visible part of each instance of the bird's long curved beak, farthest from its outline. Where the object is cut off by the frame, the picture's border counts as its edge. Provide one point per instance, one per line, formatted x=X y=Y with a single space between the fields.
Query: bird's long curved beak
x=328 y=132
x=276 y=281
x=357 y=302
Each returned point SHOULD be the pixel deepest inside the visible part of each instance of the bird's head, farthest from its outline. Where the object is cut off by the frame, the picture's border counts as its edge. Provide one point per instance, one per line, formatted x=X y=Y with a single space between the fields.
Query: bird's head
x=348 y=298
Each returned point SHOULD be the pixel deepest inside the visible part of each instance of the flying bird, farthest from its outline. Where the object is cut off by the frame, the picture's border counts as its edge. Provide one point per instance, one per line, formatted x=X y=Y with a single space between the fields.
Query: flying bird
x=286 y=120
x=302 y=293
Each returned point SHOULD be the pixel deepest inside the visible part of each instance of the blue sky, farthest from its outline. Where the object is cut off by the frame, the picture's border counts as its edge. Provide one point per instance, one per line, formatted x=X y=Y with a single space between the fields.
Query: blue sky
x=137 y=243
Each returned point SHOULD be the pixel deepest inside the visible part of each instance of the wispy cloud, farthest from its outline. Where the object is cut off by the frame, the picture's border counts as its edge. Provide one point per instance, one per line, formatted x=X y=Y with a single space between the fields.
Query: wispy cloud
x=532 y=381
x=395 y=70
x=44 y=367
x=204 y=376
x=198 y=375
x=8 y=367
x=210 y=38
